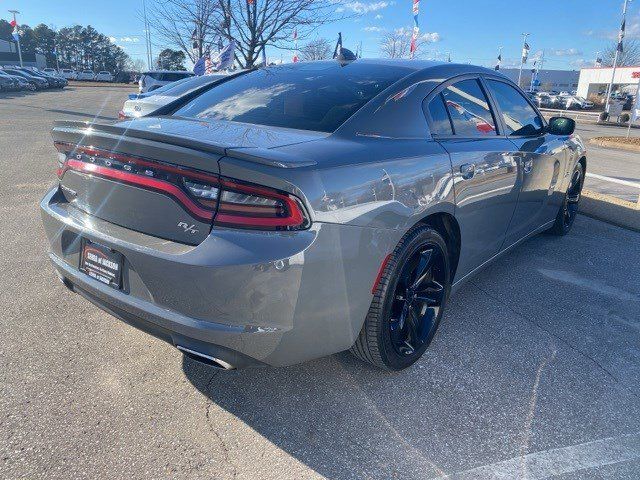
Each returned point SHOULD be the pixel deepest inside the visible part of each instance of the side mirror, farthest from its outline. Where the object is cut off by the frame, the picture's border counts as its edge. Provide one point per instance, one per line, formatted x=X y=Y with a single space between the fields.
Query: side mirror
x=561 y=126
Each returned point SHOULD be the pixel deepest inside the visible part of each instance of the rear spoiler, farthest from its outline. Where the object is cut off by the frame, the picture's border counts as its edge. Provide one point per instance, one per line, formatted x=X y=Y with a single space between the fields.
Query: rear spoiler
x=69 y=131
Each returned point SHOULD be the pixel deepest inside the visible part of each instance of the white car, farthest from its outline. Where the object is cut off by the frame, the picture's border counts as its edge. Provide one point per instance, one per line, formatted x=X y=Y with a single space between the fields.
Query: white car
x=577 y=103
x=104 y=76
x=155 y=79
x=68 y=73
x=86 y=75
x=147 y=103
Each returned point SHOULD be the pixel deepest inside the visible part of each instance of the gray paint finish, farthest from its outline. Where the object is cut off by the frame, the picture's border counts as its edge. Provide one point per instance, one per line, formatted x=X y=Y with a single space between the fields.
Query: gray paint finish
x=285 y=297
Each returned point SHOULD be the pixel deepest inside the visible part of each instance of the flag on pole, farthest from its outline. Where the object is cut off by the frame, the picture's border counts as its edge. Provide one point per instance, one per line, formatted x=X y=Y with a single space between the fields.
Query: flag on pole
x=416 y=28
x=525 y=52
x=208 y=65
x=338 y=49
x=199 y=68
x=226 y=57
x=598 y=63
x=16 y=33
x=499 y=62
x=621 y=35
x=13 y=23
x=295 y=34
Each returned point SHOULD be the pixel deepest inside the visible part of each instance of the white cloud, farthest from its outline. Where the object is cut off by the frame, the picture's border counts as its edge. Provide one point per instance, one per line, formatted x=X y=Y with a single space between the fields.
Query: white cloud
x=580 y=63
x=129 y=39
x=364 y=7
x=428 y=37
x=566 y=52
x=113 y=39
x=373 y=29
x=378 y=17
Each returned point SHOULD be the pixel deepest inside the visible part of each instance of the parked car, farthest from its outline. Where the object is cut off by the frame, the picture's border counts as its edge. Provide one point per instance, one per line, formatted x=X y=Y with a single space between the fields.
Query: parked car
x=152 y=80
x=86 y=75
x=68 y=73
x=301 y=210
x=104 y=76
x=52 y=71
x=20 y=83
x=547 y=100
x=53 y=82
x=8 y=84
x=577 y=103
x=147 y=103
x=37 y=82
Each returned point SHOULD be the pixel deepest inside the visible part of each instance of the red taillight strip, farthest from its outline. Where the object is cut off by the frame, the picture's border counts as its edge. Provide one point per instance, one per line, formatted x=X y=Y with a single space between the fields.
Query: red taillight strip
x=68 y=148
x=295 y=218
x=140 y=181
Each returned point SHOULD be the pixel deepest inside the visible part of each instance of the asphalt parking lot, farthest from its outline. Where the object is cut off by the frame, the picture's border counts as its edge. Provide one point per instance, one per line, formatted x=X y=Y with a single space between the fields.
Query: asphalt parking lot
x=535 y=371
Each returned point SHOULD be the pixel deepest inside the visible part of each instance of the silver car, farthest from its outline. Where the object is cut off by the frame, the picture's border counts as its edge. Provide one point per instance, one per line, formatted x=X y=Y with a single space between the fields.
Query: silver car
x=301 y=210
x=152 y=80
x=146 y=104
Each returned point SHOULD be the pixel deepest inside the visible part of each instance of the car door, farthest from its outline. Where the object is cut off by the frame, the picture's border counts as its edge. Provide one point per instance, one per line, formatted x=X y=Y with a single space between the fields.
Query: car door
x=485 y=172
x=541 y=160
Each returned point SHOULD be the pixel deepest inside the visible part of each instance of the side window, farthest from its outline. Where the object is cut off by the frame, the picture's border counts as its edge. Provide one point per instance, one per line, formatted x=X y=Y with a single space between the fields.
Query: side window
x=440 y=123
x=519 y=116
x=469 y=109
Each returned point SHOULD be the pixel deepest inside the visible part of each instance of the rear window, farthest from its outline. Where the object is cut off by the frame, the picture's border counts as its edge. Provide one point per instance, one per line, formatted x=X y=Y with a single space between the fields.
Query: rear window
x=316 y=96
x=172 y=77
x=188 y=84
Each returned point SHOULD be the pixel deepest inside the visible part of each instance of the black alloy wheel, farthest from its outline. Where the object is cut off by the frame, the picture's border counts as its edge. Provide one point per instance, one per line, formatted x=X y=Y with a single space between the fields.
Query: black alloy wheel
x=570 y=204
x=408 y=301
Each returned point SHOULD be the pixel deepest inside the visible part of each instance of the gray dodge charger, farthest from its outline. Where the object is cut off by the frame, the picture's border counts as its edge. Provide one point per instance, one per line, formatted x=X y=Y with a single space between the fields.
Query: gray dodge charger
x=292 y=212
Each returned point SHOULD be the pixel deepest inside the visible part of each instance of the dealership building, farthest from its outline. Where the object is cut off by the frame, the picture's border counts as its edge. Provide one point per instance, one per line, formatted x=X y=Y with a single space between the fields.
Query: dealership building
x=9 y=56
x=594 y=81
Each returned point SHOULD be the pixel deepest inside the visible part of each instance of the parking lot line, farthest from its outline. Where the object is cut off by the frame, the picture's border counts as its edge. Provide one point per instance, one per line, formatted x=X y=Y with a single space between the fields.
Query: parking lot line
x=614 y=180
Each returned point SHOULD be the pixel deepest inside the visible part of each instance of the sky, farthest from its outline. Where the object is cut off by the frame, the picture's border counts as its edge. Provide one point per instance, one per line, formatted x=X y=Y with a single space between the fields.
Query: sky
x=570 y=32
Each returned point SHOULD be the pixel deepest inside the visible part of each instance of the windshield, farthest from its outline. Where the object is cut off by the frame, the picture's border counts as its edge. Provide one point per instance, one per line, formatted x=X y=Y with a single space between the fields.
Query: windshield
x=316 y=96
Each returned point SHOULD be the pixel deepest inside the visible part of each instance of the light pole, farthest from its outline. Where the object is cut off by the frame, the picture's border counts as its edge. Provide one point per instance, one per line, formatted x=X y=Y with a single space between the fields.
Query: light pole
x=522 y=60
x=615 y=58
x=18 y=35
x=147 y=35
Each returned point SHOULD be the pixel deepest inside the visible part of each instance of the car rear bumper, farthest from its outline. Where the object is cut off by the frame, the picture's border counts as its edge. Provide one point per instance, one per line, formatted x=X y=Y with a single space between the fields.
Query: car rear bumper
x=246 y=297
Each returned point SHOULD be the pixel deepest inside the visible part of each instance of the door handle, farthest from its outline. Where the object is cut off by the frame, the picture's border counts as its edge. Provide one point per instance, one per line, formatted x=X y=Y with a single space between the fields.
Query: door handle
x=468 y=170
x=527 y=166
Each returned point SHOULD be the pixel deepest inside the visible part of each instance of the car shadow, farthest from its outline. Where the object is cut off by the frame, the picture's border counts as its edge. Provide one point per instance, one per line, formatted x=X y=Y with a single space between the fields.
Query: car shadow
x=500 y=380
x=79 y=114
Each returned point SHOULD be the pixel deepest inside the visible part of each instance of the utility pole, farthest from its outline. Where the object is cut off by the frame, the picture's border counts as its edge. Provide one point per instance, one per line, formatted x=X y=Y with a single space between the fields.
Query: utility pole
x=18 y=35
x=615 y=59
x=147 y=35
x=522 y=59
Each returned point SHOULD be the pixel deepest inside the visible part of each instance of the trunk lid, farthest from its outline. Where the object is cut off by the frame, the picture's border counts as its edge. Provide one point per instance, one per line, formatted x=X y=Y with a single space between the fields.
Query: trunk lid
x=149 y=174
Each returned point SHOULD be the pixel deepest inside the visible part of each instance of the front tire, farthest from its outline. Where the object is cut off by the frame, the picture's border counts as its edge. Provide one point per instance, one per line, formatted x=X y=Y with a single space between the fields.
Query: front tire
x=408 y=302
x=570 y=204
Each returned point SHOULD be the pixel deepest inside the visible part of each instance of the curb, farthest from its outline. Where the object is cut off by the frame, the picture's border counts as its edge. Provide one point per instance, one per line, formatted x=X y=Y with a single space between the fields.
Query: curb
x=612 y=144
x=610 y=210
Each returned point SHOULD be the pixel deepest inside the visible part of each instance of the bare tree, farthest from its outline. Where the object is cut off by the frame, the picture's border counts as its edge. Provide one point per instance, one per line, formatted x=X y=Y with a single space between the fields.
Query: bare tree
x=396 y=44
x=319 y=49
x=271 y=22
x=629 y=57
x=191 y=25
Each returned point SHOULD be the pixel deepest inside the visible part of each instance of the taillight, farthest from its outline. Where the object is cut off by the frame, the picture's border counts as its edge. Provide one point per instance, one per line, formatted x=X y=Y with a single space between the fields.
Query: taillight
x=122 y=115
x=223 y=201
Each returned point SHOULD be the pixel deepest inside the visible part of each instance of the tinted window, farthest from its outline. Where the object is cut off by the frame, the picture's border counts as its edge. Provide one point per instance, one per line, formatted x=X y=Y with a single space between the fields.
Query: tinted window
x=469 y=109
x=309 y=96
x=519 y=116
x=440 y=124
x=172 y=77
x=187 y=85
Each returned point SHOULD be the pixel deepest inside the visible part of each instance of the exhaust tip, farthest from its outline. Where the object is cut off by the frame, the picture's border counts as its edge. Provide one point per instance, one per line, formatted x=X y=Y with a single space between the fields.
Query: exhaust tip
x=206 y=359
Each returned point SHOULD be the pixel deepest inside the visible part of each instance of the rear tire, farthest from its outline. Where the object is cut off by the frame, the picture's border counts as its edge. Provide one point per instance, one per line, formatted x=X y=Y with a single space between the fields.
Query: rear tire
x=570 y=204
x=408 y=302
